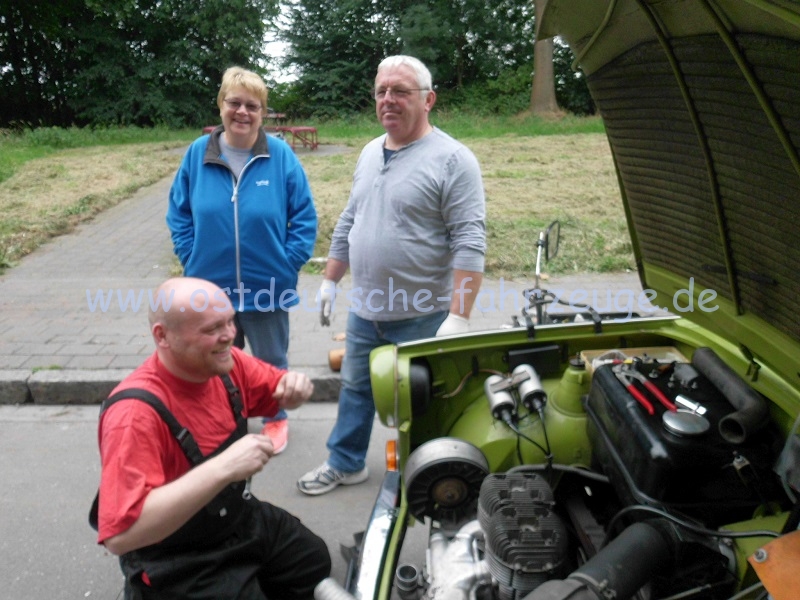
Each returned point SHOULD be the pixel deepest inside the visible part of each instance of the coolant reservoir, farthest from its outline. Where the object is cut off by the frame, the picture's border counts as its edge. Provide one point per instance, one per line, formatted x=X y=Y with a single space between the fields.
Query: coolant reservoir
x=573 y=386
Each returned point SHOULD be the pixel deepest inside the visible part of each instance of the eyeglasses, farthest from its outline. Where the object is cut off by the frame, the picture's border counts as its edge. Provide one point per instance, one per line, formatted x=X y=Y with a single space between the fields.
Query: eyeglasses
x=237 y=104
x=397 y=93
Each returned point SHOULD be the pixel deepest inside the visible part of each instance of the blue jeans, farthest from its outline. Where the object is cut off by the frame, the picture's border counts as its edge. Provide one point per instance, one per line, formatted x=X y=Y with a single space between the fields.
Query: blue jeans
x=268 y=336
x=349 y=441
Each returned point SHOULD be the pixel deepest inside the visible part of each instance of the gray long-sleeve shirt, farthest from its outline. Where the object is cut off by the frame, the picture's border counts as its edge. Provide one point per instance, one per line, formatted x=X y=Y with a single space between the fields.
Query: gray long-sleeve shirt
x=408 y=223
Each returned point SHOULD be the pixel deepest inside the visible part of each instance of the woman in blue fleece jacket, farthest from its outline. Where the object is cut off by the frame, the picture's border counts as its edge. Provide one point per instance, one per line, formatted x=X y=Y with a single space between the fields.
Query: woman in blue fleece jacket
x=241 y=215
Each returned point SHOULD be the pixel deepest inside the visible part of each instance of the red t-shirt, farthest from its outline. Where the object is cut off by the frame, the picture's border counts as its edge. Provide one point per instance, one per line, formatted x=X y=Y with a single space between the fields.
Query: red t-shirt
x=137 y=450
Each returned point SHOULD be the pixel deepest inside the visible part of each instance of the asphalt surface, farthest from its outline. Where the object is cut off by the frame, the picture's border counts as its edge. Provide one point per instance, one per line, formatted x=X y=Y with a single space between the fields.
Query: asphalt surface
x=67 y=337
x=50 y=470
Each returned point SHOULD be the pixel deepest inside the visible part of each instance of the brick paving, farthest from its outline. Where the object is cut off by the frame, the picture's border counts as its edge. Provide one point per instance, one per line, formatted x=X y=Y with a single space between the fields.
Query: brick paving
x=55 y=333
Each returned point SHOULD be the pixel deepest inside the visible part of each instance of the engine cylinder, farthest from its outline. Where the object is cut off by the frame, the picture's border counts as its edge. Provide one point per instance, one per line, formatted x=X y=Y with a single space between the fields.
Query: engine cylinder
x=526 y=542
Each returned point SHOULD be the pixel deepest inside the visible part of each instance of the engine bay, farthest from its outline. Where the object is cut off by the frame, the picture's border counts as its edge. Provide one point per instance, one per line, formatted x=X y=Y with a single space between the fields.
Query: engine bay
x=636 y=473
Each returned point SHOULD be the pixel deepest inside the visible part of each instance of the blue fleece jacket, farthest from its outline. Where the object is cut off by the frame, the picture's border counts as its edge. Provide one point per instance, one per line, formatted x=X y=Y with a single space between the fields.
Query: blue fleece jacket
x=250 y=236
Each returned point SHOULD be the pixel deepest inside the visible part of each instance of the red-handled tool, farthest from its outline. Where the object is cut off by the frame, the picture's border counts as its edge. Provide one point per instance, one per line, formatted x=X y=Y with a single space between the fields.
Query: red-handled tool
x=639 y=396
x=651 y=387
x=626 y=374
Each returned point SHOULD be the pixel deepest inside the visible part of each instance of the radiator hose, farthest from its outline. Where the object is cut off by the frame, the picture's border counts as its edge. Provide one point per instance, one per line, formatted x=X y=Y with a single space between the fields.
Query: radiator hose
x=752 y=412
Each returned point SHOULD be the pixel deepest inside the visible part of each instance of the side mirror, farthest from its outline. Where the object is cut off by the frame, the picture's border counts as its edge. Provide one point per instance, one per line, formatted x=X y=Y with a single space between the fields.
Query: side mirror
x=551 y=239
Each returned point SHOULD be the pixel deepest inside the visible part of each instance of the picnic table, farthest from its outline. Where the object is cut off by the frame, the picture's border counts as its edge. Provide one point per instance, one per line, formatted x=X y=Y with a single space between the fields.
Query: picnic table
x=302 y=133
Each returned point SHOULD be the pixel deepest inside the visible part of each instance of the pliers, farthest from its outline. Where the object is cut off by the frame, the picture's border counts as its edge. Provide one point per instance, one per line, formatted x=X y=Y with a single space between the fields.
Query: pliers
x=626 y=375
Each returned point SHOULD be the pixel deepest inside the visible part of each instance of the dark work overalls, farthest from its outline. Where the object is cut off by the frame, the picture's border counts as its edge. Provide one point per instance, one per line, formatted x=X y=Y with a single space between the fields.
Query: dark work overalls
x=218 y=553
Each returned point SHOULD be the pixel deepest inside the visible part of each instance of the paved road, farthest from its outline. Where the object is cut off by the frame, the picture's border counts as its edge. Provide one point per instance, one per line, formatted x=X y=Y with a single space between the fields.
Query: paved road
x=49 y=468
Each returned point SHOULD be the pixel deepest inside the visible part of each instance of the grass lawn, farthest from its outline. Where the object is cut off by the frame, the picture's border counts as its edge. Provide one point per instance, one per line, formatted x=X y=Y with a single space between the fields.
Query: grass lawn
x=534 y=171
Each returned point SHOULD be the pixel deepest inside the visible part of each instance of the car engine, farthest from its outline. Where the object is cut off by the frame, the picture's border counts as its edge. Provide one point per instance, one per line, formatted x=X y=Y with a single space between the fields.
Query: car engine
x=682 y=465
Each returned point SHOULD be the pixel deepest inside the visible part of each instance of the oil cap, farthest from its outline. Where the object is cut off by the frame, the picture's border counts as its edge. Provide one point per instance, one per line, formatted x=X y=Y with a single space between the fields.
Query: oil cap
x=685 y=423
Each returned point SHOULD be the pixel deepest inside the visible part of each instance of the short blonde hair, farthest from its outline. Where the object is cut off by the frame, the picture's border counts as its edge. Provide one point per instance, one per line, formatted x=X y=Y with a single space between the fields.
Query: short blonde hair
x=237 y=77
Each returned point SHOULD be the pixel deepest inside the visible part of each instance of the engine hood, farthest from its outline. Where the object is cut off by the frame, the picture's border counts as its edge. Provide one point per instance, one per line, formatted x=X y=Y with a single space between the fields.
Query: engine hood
x=701 y=104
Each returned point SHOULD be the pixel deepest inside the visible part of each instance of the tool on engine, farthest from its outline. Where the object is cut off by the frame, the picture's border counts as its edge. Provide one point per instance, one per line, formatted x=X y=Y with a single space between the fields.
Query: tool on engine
x=690 y=405
x=246 y=493
x=627 y=374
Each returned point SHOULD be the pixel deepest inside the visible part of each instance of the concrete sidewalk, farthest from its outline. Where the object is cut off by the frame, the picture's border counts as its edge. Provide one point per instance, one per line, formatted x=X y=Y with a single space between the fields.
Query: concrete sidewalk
x=73 y=316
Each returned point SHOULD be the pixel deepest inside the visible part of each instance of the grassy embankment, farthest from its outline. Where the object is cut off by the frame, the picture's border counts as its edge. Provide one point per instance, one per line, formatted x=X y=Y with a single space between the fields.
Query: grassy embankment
x=534 y=171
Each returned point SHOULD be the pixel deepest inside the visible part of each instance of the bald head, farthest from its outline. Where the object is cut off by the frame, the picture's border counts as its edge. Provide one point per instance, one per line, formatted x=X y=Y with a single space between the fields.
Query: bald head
x=192 y=322
x=180 y=299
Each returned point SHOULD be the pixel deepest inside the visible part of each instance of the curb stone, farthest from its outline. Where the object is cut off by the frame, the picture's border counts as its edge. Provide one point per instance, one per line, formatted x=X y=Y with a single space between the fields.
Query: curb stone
x=74 y=386
x=77 y=386
x=14 y=386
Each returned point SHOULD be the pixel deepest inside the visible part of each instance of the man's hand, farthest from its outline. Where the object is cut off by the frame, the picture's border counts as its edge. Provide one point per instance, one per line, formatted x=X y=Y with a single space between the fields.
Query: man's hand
x=453 y=324
x=293 y=390
x=247 y=456
x=327 y=292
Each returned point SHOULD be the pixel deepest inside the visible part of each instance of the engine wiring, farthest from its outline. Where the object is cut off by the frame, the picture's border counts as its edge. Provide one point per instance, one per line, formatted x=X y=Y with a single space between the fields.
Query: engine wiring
x=593 y=475
x=546 y=451
x=684 y=524
x=466 y=378
x=745 y=593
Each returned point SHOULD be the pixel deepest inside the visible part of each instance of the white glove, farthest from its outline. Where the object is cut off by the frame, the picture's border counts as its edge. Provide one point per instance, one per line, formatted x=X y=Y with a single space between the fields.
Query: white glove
x=325 y=296
x=453 y=324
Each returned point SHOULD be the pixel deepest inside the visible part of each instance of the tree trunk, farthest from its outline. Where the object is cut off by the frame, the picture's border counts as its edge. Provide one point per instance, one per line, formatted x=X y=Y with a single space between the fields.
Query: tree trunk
x=543 y=90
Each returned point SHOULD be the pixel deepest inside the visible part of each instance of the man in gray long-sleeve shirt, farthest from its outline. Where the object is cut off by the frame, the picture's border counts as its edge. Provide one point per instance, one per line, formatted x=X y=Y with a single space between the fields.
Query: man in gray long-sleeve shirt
x=413 y=234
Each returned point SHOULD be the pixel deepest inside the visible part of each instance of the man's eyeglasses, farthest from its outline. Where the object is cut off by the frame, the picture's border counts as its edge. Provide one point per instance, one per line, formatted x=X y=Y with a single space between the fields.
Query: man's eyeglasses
x=397 y=93
x=237 y=104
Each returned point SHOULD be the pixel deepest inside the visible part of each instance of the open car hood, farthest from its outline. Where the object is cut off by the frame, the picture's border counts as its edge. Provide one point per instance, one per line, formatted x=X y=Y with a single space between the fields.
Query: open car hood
x=701 y=103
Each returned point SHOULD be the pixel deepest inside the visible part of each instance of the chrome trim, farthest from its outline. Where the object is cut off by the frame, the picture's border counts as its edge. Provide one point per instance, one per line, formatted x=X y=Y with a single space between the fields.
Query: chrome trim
x=365 y=581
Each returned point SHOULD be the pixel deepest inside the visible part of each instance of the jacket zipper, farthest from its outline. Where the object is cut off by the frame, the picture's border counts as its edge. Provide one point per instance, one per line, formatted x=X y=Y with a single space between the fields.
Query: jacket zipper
x=237 y=252
x=235 y=200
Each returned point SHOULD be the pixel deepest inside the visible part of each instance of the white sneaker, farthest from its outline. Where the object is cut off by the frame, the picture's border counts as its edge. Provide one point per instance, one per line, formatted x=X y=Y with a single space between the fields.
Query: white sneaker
x=325 y=478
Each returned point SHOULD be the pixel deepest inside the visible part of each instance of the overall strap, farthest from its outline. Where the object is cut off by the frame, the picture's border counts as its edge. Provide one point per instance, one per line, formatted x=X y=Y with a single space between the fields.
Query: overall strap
x=179 y=432
x=235 y=400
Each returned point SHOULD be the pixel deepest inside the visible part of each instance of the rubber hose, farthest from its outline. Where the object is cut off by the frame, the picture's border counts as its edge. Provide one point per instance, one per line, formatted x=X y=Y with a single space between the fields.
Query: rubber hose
x=752 y=412
x=619 y=570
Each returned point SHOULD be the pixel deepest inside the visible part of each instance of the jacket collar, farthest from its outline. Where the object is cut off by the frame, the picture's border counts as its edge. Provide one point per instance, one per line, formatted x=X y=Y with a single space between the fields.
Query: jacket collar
x=213 y=150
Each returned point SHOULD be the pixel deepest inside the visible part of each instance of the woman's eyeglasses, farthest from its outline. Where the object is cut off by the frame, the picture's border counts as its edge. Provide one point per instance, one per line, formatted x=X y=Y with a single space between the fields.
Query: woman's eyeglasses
x=237 y=104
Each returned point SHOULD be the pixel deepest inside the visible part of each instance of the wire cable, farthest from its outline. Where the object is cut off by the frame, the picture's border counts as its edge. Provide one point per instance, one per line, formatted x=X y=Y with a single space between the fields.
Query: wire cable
x=685 y=524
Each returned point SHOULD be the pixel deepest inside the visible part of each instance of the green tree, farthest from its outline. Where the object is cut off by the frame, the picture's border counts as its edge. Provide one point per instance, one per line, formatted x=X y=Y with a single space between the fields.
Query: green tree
x=468 y=41
x=37 y=59
x=141 y=62
x=334 y=46
x=572 y=92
